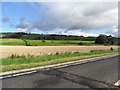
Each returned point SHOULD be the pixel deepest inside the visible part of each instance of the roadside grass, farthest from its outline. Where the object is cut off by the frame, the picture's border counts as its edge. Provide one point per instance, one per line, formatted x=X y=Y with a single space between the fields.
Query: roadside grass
x=13 y=42
x=15 y=62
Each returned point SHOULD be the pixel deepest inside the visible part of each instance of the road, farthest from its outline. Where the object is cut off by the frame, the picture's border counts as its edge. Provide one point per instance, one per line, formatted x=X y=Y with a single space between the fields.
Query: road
x=98 y=74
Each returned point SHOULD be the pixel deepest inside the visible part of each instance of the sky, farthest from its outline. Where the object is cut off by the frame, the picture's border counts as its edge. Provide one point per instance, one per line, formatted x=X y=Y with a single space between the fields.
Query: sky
x=64 y=18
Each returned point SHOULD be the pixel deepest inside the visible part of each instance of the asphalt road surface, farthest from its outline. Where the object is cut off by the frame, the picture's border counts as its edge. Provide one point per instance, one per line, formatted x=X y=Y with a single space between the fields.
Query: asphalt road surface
x=98 y=74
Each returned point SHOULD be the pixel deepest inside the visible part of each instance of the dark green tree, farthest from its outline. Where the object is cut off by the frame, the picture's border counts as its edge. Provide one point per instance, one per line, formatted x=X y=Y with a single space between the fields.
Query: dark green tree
x=101 y=39
x=25 y=41
x=106 y=40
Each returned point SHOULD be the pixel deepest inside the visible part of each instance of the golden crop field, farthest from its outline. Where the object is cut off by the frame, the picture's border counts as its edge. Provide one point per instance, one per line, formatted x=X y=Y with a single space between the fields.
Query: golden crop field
x=42 y=50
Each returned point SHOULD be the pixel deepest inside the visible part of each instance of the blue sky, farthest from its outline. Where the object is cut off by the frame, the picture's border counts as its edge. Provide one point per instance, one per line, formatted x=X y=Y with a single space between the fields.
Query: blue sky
x=15 y=11
x=52 y=18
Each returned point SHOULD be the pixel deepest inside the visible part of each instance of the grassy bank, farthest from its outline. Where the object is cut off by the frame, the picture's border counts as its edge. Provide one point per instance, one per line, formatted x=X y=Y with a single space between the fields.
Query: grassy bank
x=20 y=42
x=15 y=62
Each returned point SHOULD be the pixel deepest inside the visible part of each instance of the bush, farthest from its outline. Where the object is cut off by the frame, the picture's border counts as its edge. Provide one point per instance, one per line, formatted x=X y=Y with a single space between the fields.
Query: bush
x=111 y=49
x=81 y=43
x=107 y=44
x=96 y=50
x=43 y=40
x=57 y=53
x=93 y=50
x=13 y=56
x=52 y=41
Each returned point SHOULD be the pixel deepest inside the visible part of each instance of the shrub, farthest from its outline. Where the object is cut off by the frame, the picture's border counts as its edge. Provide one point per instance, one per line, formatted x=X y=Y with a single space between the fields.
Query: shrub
x=96 y=50
x=81 y=43
x=17 y=56
x=52 y=41
x=43 y=40
x=111 y=49
x=107 y=44
x=57 y=53
x=93 y=50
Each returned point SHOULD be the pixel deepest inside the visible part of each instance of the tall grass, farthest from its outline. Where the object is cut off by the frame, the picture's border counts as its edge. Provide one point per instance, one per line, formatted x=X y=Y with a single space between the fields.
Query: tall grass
x=21 y=61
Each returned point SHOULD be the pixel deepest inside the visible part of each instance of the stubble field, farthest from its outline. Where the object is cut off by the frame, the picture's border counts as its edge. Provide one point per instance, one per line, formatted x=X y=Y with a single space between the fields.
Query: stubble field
x=7 y=51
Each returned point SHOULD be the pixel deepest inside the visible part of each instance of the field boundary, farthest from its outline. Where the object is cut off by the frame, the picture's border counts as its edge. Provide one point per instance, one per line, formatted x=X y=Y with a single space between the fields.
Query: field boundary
x=47 y=67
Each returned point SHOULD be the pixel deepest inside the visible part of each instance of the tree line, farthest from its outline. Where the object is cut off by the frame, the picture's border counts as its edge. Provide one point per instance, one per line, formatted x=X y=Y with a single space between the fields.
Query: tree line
x=101 y=39
x=22 y=35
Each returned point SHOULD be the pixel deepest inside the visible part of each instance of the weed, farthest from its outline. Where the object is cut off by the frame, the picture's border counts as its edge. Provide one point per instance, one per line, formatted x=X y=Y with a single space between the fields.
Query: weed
x=22 y=61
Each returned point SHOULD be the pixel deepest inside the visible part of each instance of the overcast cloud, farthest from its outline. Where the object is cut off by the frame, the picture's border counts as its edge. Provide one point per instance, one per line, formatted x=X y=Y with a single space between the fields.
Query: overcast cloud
x=114 y=32
x=68 y=16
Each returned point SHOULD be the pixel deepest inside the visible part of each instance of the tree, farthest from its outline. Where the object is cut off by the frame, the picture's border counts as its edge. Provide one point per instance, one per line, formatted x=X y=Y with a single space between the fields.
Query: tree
x=25 y=42
x=103 y=39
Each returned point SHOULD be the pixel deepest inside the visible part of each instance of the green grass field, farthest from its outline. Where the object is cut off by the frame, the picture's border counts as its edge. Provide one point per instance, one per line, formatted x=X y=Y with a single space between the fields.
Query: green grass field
x=15 y=62
x=46 y=43
x=1 y=35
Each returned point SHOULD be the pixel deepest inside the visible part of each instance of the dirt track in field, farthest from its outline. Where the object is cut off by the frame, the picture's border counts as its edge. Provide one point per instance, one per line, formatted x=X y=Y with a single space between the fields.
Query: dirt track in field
x=41 y=50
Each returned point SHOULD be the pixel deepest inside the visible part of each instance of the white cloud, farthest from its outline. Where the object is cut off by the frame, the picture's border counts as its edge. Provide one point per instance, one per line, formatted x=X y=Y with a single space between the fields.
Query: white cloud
x=84 y=16
x=21 y=30
x=114 y=31
x=77 y=33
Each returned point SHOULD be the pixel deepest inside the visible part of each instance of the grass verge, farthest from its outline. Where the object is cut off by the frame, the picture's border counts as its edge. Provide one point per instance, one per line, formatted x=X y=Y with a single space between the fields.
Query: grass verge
x=15 y=62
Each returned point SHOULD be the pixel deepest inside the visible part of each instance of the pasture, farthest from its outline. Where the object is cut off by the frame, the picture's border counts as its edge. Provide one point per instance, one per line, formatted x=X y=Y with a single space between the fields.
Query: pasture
x=20 y=42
